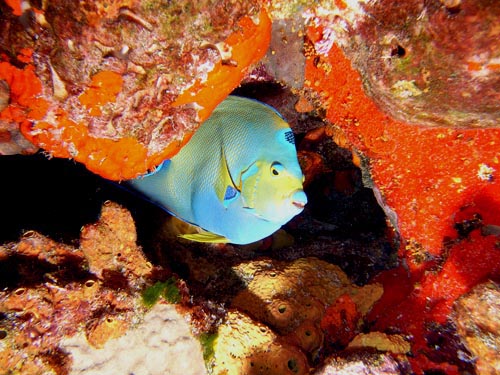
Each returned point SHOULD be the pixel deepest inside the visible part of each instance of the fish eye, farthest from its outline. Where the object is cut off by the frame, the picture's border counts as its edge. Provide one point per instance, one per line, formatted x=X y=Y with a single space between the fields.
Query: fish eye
x=276 y=168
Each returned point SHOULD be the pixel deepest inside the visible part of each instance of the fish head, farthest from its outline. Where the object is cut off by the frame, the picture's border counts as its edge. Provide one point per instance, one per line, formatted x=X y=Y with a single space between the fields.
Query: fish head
x=272 y=186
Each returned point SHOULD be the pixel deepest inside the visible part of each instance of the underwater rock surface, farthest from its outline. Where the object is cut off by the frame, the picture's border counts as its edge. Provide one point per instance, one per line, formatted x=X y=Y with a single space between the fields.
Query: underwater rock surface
x=121 y=86
x=100 y=307
x=354 y=363
x=431 y=63
x=476 y=316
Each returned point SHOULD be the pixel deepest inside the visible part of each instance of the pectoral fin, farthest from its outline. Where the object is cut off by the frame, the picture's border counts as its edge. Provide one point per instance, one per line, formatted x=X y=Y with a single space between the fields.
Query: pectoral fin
x=249 y=181
x=205 y=237
x=225 y=188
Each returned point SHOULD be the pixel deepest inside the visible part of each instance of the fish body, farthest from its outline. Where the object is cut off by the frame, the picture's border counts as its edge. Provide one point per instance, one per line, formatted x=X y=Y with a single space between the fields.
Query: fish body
x=238 y=178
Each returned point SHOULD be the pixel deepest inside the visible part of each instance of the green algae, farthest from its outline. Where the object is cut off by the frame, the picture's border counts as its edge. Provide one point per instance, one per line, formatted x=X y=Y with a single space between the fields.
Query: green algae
x=207 y=341
x=167 y=289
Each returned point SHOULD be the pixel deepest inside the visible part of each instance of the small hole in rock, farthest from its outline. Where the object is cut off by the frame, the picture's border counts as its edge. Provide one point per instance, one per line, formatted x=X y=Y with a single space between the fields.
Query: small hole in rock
x=453 y=10
x=29 y=234
x=433 y=372
x=282 y=309
x=292 y=365
x=308 y=333
x=89 y=283
x=3 y=334
x=28 y=315
x=398 y=51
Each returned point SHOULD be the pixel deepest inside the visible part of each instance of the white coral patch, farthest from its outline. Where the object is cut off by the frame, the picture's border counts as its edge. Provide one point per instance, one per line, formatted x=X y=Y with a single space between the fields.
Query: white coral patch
x=485 y=172
x=161 y=344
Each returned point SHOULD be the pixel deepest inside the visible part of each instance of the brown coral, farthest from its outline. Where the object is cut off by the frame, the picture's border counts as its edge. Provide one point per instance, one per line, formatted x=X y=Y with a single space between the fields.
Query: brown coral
x=110 y=245
x=65 y=297
x=292 y=297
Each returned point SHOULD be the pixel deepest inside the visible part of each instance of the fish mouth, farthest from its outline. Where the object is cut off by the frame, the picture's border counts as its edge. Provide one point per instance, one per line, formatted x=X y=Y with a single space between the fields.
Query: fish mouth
x=299 y=199
x=299 y=205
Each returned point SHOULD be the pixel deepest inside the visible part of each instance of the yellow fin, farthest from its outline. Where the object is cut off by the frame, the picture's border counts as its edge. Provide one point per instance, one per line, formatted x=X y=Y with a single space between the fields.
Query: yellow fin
x=205 y=237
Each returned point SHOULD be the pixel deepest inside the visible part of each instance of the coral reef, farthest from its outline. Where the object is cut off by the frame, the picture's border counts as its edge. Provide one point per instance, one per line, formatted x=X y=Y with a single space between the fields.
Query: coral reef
x=449 y=171
x=408 y=91
x=293 y=297
x=282 y=317
x=446 y=189
x=438 y=188
x=425 y=63
x=70 y=302
x=85 y=309
x=113 y=94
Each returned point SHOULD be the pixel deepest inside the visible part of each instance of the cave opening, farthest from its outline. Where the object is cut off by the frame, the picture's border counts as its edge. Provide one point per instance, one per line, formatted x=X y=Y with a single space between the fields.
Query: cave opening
x=342 y=223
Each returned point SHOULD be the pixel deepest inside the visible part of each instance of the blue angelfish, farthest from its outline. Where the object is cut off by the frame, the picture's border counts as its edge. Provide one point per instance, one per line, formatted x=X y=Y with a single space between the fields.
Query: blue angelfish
x=238 y=178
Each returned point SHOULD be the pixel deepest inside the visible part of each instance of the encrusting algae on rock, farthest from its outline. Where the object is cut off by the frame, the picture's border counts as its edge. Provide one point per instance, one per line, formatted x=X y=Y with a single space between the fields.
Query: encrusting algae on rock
x=429 y=180
x=114 y=95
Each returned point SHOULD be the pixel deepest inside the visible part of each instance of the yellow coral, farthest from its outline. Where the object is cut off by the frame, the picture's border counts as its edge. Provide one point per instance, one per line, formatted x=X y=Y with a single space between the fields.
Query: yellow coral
x=244 y=346
x=385 y=343
x=109 y=327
